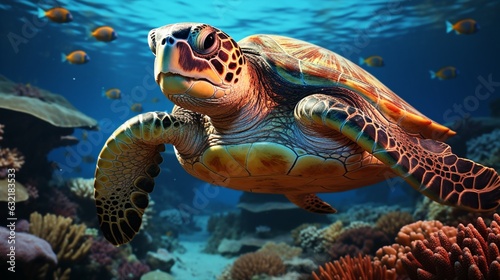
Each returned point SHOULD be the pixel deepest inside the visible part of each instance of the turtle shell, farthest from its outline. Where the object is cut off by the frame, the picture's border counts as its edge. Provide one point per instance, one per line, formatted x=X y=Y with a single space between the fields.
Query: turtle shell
x=304 y=63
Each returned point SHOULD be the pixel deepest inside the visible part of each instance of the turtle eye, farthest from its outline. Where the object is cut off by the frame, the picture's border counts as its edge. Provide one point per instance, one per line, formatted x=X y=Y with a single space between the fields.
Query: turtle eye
x=205 y=41
x=152 y=40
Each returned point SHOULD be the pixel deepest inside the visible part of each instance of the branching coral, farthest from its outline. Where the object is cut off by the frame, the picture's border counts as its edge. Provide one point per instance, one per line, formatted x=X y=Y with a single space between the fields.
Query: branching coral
x=311 y=239
x=392 y=222
x=11 y=158
x=82 y=187
x=252 y=264
x=353 y=269
x=330 y=234
x=67 y=240
x=475 y=255
x=363 y=240
x=390 y=256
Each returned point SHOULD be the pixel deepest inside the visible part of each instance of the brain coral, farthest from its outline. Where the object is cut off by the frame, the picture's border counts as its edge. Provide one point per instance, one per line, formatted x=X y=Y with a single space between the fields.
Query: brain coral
x=257 y=263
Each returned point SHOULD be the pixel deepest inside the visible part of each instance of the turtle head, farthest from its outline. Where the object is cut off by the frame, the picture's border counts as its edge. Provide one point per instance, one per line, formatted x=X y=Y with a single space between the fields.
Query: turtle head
x=196 y=60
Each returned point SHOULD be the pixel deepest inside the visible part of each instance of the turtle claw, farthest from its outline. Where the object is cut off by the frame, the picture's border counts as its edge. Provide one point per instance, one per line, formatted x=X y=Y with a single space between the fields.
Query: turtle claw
x=311 y=203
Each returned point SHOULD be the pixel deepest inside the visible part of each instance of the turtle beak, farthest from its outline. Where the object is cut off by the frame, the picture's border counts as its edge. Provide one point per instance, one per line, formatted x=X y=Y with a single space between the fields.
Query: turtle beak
x=177 y=70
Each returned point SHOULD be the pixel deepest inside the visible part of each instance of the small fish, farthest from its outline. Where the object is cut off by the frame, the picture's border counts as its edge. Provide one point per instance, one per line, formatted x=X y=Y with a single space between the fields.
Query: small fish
x=372 y=61
x=445 y=73
x=56 y=14
x=89 y=159
x=104 y=34
x=76 y=57
x=136 y=107
x=155 y=100
x=465 y=26
x=85 y=136
x=112 y=93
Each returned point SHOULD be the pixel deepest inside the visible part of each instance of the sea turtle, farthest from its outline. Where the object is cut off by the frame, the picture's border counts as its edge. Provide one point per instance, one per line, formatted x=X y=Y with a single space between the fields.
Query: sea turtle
x=272 y=114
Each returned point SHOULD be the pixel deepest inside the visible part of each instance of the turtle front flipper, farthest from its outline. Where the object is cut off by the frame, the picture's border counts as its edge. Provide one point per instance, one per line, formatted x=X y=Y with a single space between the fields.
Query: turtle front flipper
x=427 y=165
x=127 y=165
x=311 y=203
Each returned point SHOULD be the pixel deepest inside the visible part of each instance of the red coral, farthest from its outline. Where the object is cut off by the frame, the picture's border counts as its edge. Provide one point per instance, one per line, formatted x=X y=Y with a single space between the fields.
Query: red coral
x=475 y=255
x=353 y=269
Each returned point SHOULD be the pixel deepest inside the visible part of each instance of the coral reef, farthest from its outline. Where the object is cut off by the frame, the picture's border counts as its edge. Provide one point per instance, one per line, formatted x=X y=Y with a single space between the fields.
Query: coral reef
x=252 y=264
x=311 y=239
x=283 y=250
x=390 y=256
x=67 y=240
x=429 y=210
x=330 y=234
x=21 y=194
x=102 y=252
x=10 y=159
x=485 y=149
x=82 y=187
x=49 y=118
x=31 y=252
x=391 y=222
x=61 y=205
x=220 y=227
x=355 y=268
x=421 y=230
x=273 y=211
x=474 y=255
x=132 y=270
x=363 y=240
x=367 y=212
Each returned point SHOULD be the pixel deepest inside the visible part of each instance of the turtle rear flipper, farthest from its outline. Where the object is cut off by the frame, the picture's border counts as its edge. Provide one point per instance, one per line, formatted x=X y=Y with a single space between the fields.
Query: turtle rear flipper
x=427 y=165
x=125 y=172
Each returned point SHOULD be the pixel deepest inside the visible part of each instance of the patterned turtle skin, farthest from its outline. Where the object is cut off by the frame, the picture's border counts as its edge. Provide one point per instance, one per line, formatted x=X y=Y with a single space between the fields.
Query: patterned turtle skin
x=271 y=114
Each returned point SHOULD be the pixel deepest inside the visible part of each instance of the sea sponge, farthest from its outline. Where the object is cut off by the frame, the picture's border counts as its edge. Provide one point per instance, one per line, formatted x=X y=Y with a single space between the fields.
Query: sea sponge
x=348 y=268
x=420 y=230
x=364 y=240
x=474 y=255
x=391 y=222
x=283 y=250
x=257 y=263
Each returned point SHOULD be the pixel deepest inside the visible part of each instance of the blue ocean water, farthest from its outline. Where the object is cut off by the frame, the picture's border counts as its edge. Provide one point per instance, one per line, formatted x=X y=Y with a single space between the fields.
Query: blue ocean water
x=410 y=36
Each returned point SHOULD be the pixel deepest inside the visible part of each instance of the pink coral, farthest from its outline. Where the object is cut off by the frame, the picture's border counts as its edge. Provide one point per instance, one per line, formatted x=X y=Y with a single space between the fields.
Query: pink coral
x=103 y=252
x=62 y=206
x=132 y=270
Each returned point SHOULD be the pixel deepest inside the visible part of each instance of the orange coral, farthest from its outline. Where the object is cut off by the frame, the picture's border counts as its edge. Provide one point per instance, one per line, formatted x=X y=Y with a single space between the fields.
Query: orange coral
x=390 y=256
x=391 y=222
x=475 y=255
x=257 y=263
x=420 y=230
x=353 y=269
